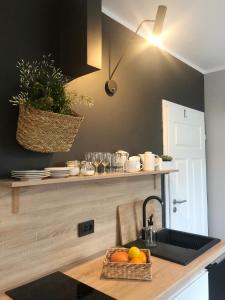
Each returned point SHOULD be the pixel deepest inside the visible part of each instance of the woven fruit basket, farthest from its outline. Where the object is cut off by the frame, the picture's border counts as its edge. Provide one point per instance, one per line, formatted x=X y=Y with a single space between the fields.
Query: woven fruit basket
x=46 y=132
x=126 y=270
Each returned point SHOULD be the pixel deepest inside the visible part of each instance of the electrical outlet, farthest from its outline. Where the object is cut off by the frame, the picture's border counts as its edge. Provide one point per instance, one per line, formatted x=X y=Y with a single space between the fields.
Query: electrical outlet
x=86 y=228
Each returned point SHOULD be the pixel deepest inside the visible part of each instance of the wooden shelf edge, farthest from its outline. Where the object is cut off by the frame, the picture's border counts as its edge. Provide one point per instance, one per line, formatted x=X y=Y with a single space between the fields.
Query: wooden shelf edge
x=16 y=185
x=19 y=184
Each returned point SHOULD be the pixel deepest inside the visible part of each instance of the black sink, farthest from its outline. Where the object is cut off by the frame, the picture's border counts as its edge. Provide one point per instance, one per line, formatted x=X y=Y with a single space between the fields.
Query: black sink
x=177 y=246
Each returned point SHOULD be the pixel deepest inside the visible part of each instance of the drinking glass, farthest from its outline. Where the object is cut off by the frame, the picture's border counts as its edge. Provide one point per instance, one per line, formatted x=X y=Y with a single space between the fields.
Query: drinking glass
x=88 y=156
x=109 y=167
x=116 y=162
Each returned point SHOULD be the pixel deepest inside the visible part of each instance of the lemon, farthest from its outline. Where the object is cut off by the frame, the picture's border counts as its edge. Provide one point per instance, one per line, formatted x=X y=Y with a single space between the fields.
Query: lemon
x=133 y=252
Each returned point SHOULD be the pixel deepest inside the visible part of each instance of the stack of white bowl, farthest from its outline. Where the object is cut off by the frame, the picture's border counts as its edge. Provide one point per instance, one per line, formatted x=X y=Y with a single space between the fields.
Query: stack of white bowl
x=59 y=172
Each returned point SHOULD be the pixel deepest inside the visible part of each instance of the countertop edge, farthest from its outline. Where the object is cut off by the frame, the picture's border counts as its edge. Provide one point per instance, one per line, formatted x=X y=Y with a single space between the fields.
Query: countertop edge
x=196 y=269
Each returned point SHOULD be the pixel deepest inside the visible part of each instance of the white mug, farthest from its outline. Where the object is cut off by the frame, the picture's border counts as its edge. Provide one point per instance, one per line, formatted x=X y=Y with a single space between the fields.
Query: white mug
x=136 y=158
x=132 y=166
x=158 y=163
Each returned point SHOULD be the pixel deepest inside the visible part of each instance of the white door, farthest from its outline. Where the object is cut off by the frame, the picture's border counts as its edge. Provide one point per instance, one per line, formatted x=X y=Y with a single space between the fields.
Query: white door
x=184 y=140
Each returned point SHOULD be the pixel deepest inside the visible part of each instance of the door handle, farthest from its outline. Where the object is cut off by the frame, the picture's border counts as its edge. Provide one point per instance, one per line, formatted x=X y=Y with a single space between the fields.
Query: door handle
x=178 y=202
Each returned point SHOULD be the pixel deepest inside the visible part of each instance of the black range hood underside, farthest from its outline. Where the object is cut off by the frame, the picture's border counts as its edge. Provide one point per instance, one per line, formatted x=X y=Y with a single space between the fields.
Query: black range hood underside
x=80 y=37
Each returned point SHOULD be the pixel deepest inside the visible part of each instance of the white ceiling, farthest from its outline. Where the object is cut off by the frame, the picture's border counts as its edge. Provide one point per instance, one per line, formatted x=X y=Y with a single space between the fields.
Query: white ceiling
x=194 y=30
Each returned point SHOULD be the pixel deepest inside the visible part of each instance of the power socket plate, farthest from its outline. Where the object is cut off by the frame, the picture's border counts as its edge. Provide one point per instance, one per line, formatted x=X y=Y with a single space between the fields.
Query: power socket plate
x=86 y=228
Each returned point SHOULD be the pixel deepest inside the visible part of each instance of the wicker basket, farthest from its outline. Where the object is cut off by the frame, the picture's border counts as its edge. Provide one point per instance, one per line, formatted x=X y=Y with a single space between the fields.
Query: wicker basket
x=119 y=270
x=46 y=132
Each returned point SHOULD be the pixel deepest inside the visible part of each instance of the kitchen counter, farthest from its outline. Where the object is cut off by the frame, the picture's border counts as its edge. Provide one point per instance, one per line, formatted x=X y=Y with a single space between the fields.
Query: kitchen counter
x=168 y=277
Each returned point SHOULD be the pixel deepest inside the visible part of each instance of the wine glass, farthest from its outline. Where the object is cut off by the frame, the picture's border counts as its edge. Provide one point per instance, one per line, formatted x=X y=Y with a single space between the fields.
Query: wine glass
x=106 y=159
x=96 y=159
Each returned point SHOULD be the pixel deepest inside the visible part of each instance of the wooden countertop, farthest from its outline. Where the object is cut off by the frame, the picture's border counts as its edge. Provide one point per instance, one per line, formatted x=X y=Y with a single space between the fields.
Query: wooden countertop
x=168 y=277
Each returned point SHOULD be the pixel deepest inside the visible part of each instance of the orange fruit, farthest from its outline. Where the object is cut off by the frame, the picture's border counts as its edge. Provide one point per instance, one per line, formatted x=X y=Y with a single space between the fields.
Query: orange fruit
x=136 y=260
x=143 y=257
x=119 y=256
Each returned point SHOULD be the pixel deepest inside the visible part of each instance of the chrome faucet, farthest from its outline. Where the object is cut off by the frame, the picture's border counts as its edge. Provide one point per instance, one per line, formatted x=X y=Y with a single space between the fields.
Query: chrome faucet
x=144 y=212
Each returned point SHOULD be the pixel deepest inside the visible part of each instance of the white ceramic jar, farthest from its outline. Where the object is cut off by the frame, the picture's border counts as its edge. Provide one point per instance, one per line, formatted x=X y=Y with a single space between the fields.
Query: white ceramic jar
x=74 y=167
x=87 y=169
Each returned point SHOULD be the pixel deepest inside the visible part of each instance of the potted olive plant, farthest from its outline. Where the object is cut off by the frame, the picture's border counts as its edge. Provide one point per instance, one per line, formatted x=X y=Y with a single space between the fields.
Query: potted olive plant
x=47 y=121
x=167 y=162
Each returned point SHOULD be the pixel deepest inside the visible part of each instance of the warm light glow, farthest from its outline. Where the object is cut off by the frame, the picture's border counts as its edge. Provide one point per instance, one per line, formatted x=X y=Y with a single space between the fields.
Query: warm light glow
x=154 y=40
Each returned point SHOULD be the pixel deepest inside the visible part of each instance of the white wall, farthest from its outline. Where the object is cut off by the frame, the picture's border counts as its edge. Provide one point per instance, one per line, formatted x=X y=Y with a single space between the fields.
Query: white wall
x=215 y=130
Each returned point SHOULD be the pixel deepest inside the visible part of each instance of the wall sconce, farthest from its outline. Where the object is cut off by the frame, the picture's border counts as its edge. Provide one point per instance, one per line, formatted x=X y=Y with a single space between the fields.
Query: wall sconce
x=111 y=85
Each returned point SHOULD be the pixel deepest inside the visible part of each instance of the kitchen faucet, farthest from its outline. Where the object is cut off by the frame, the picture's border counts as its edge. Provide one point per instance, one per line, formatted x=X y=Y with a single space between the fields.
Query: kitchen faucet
x=144 y=212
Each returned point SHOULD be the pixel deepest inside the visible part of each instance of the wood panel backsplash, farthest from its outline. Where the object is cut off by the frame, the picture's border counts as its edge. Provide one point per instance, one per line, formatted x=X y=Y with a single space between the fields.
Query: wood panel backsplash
x=42 y=237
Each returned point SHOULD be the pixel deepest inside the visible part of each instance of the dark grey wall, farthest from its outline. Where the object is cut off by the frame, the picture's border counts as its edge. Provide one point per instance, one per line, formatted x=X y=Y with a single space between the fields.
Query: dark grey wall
x=131 y=120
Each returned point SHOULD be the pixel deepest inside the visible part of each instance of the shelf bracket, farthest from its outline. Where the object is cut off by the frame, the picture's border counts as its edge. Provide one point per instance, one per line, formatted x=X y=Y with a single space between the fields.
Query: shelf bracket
x=15 y=200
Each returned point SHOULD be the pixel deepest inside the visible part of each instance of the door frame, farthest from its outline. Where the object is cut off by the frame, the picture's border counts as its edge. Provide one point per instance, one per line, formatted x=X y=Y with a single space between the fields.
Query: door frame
x=165 y=149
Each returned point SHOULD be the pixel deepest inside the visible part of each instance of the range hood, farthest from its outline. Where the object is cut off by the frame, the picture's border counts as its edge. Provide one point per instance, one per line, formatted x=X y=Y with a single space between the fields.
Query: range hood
x=80 y=37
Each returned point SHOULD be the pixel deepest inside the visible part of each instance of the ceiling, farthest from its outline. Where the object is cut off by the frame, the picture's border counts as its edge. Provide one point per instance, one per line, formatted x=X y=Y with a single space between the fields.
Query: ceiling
x=193 y=29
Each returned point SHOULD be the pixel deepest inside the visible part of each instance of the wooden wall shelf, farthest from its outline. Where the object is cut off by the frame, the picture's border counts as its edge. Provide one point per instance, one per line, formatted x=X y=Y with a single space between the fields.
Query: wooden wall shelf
x=15 y=185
